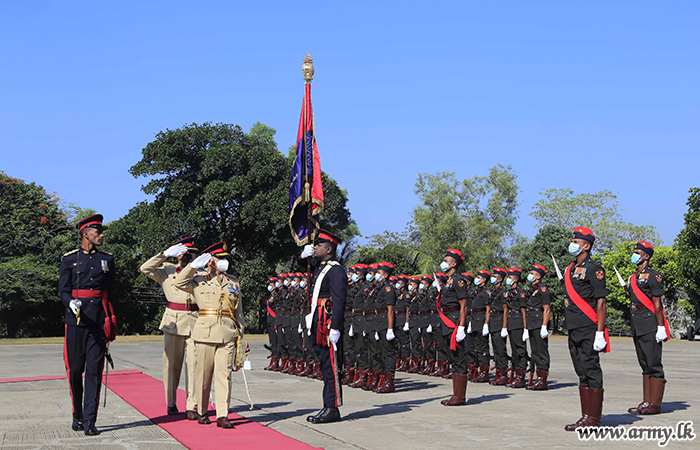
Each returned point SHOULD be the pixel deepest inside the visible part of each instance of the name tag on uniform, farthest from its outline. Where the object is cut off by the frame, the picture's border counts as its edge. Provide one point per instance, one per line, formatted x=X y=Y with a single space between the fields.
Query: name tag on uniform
x=105 y=266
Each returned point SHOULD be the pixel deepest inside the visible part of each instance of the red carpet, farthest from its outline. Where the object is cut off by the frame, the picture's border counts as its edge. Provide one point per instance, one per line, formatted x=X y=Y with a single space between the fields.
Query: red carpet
x=145 y=393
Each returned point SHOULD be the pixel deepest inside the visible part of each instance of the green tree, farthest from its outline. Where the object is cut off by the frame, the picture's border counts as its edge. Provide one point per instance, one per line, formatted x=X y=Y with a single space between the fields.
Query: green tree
x=598 y=211
x=475 y=215
x=687 y=245
x=395 y=248
x=33 y=236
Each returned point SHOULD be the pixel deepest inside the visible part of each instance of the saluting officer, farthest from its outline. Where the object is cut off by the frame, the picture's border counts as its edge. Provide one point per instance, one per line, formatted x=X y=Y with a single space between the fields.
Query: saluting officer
x=649 y=327
x=452 y=304
x=177 y=323
x=517 y=328
x=86 y=282
x=497 y=325
x=326 y=317
x=538 y=309
x=218 y=331
x=584 y=310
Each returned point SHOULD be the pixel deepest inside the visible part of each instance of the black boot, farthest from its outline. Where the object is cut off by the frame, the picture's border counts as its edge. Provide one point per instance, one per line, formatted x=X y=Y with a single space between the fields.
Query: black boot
x=172 y=410
x=90 y=429
x=77 y=424
x=315 y=416
x=327 y=416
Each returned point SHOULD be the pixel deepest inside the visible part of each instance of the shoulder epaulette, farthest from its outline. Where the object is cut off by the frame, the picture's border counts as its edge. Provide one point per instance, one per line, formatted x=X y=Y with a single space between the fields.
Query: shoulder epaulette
x=71 y=252
x=102 y=251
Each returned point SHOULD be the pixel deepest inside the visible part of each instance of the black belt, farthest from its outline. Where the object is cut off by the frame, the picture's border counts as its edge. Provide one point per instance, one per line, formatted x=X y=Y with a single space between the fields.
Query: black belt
x=422 y=313
x=477 y=310
x=348 y=309
x=358 y=311
x=535 y=308
x=451 y=308
x=381 y=310
x=497 y=311
x=370 y=313
x=400 y=311
x=287 y=309
x=637 y=306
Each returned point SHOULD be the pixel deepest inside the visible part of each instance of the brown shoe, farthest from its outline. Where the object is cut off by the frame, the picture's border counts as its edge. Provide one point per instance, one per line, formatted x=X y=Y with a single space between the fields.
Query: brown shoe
x=203 y=419
x=361 y=379
x=595 y=407
x=645 y=396
x=656 y=396
x=191 y=415
x=541 y=383
x=387 y=384
x=274 y=362
x=501 y=378
x=223 y=422
x=519 y=380
x=318 y=373
x=349 y=376
x=372 y=381
x=459 y=391
x=429 y=366
x=403 y=365
x=415 y=365
x=308 y=369
x=483 y=374
x=471 y=372
x=583 y=392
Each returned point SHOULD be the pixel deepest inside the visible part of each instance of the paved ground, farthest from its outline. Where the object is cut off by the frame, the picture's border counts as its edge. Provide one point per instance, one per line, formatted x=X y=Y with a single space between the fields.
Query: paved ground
x=37 y=414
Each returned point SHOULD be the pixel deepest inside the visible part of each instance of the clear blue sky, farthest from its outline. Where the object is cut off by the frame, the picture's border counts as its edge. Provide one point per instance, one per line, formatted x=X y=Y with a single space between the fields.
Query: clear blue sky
x=591 y=96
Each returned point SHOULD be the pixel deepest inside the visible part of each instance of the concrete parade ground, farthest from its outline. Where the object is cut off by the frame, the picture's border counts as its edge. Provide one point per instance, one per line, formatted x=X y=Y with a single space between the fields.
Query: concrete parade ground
x=37 y=414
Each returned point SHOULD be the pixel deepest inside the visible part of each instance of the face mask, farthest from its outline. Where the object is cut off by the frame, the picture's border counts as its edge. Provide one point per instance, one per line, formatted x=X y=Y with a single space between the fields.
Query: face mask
x=510 y=282
x=355 y=278
x=574 y=249
x=294 y=283
x=421 y=287
x=410 y=288
x=369 y=277
x=494 y=280
x=378 y=277
x=269 y=288
x=398 y=285
x=302 y=284
x=277 y=284
x=477 y=281
x=286 y=283
x=222 y=265
x=636 y=258
x=434 y=284
x=444 y=266
x=530 y=277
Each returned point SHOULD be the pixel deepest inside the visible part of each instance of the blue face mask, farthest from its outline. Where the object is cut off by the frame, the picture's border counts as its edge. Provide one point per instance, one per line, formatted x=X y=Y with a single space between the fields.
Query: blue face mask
x=435 y=284
x=277 y=284
x=302 y=284
x=294 y=283
x=444 y=266
x=636 y=258
x=530 y=277
x=286 y=282
x=369 y=277
x=398 y=286
x=477 y=281
x=510 y=281
x=421 y=286
x=378 y=276
x=355 y=278
x=574 y=249
x=269 y=288
x=410 y=288
x=494 y=280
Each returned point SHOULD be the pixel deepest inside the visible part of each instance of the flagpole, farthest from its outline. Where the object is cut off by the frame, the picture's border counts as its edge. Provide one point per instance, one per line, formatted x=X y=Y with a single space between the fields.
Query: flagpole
x=308 y=70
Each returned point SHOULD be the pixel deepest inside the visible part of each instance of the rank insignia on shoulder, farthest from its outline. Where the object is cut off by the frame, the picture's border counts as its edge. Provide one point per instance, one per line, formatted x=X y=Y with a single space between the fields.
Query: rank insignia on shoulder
x=522 y=295
x=600 y=274
x=461 y=283
x=388 y=288
x=544 y=289
x=658 y=278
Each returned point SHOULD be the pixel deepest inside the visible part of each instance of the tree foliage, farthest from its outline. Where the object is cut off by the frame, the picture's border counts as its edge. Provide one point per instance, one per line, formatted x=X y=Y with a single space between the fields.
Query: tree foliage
x=687 y=245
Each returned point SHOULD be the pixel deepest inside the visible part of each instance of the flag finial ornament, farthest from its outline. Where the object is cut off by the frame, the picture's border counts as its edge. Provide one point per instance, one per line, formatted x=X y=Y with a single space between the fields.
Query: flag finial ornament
x=308 y=68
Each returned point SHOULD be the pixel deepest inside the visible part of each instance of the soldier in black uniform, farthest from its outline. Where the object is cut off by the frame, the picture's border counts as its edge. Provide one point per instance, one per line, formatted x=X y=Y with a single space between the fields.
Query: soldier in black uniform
x=427 y=335
x=584 y=287
x=279 y=321
x=649 y=327
x=359 y=327
x=271 y=331
x=384 y=308
x=327 y=318
x=401 y=324
x=349 y=350
x=497 y=325
x=538 y=309
x=453 y=313
x=517 y=328
x=298 y=299
x=420 y=290
x=440 y=368
x=479 y=329
x=372 y=328
x=86 y=288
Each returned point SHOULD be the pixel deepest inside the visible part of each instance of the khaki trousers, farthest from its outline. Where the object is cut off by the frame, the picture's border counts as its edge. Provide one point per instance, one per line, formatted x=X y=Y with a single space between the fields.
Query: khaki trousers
x=175 y=347
x=216 y=360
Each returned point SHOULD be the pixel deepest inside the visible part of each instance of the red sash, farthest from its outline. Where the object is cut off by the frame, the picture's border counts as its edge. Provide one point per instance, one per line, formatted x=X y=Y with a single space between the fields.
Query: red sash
x=582 y=305
x=448 y=322
x=109 y=329
x=269 y=310
x=646 y=301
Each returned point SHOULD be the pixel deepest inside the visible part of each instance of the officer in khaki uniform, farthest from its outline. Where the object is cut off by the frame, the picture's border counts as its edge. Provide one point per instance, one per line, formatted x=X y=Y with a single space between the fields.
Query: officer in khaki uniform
x=178 y=320
x=219 y=328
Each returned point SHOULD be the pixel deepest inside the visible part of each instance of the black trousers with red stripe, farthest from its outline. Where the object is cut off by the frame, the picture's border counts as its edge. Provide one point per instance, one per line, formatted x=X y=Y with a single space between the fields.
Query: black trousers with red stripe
x=84 y=352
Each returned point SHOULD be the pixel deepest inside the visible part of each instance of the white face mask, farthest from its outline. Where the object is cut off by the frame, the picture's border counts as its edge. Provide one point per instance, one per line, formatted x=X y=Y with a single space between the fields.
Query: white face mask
x=530 y=277
x=435 y=284
x=286 y=282
x=269 y=288
x=355 y=278
x=510 y=282
x=277 y=284
x=574 y=249
x=410 y=287
x=302 y=284
x=378 y=276
x=398 y=286
x=444 y=266
x=477 y=281
x=222 y=265
x=294 y=283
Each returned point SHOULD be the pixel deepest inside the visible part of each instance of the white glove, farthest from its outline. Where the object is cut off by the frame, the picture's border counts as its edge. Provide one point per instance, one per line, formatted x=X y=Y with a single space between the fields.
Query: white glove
x=469 y=327
x=661 y=334
x=334 y=338
x=543 y=332
x=351 y=333
x=308 y=251
x=504 y=332
x=599 y=342
x=429 y=329
x=390 y=334
x=485 y=330
x=460 y=333
x=376 y=336
x=405 y=327
x=201 y=261
x=419 y=329
x=299 y=330
x=364 y=333
x=75 y=306
x=282 y=330
x=175 y=251
x=526 y=335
